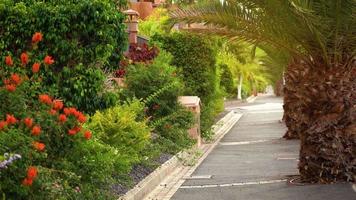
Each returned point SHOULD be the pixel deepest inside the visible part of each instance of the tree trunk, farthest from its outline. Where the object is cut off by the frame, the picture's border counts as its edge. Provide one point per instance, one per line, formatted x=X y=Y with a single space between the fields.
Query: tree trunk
x=239 y=88
x=328 y=108
x=292 y=103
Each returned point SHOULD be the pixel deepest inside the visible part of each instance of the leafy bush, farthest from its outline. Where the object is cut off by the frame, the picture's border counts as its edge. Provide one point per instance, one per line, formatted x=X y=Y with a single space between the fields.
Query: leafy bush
x=84 y=88
x=122 y=127
x=143 y=80
x=227 y=80
x=82 y=36
x=195 y=57
x=82 y=31
x=154 y=23
x=38 y=135
x=171 y=131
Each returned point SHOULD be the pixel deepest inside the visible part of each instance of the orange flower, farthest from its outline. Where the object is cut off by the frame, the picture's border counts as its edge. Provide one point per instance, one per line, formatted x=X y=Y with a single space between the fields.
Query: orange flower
x=44 y=98
x=24 y=58
x=2 y=124
x=27 y=182
x=39 y=146
x=57 y=104
x=48 y=60
x=16 y=79
x=36 y=67
x=52 y=112
x=81 y=118
x=31 y=172
x=87 y=135
x=28 y=122
x=10 y=119
x=36 y=130
x=62 y=118
x=8 y=61
x=70 y=111
x=37 y=37
x=10 y=88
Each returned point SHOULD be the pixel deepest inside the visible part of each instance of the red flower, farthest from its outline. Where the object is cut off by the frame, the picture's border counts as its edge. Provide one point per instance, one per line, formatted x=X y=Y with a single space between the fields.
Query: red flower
x=77 y=128
x=62 y=118
x=57 y=104
x=37 y=37
x=10 y=88
x=52 y=112
x=27 y=182
x=10 y=119
x=87 y=135
x=44 y=98
x=6 y=81
x=31 y=172
x=36 y=67
x=16 y=79
x=24 y=58
x=2 y=124
x=39 y=146
x=48 y=60
x=28 y=122
x=8 y=61
x=36 y=130
x=72 y=132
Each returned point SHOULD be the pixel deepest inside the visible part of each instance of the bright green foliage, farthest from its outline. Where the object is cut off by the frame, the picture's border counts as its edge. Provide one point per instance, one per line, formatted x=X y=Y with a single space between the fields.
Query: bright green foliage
x=84 y=88
x=82 y=31
x=154 y=23
x=122 y=128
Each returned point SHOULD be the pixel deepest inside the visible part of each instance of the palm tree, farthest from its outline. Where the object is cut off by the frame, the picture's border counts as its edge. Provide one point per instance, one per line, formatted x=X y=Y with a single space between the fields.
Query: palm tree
x=320 y=37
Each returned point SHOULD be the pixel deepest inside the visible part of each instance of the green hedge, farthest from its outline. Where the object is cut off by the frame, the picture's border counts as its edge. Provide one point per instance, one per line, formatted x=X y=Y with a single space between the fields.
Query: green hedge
x=195 y=58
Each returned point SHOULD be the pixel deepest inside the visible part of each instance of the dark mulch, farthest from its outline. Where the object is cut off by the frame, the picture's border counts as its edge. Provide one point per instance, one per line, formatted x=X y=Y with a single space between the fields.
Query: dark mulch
x=140 y=172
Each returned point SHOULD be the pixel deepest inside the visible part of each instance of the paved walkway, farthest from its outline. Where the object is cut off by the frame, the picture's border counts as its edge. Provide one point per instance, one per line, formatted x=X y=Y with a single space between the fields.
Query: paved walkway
x=252 y=162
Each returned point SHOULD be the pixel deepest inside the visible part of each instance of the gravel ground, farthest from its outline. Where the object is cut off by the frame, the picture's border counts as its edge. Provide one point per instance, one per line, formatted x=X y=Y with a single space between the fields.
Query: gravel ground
x=139 y=172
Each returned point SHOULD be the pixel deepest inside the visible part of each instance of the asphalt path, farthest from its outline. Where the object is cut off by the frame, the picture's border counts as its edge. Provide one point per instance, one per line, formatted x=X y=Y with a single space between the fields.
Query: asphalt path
x=252 y=162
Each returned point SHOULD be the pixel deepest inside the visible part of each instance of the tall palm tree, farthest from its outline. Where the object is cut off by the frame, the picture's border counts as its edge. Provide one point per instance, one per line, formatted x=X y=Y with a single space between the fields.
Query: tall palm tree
x=320 y=37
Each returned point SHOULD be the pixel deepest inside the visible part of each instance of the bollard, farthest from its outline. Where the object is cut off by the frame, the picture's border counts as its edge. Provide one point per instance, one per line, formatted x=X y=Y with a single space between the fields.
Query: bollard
x=193 y=104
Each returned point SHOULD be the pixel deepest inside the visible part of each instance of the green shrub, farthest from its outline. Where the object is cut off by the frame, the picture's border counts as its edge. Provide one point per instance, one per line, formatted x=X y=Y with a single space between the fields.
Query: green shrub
x=143 y=80
x=195 y=57
x=81 y=31
x=84 y=88
x=83 y=37
x=43 y=132
x=227 y=80
x=122 y=127
x=172 y=131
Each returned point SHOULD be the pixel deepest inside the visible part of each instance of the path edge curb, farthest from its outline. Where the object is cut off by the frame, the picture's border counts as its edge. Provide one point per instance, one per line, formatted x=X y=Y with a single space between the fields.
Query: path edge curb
x=148 y=184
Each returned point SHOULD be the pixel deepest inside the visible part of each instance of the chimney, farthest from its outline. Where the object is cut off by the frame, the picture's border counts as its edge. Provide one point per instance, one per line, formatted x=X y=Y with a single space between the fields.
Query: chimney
x=132 y=25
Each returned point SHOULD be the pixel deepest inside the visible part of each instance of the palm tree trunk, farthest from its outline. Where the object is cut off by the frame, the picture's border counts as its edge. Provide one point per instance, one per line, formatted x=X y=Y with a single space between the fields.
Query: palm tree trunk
x=328 y=143
x=292 y=105
x=239 y=88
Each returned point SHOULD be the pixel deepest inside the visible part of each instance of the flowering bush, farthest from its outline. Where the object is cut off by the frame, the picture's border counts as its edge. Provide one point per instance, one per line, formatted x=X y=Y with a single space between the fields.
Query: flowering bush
x=37 y=132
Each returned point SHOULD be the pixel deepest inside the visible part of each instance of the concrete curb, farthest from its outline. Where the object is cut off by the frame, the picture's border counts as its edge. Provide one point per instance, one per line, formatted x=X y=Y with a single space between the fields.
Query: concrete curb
x=251 y=99
x=152 y=185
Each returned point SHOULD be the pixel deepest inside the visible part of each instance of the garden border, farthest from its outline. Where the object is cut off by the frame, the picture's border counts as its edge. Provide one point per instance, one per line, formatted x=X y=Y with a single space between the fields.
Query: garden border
x=152 y=184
